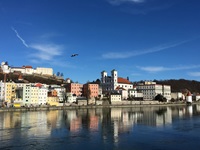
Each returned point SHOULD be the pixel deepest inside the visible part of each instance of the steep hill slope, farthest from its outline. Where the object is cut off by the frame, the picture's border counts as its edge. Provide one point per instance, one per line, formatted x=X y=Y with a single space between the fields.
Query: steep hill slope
x=178 y=85
x=32 y=78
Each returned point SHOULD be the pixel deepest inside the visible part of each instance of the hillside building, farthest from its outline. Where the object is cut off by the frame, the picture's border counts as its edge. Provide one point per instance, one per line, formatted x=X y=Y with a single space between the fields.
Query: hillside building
x=26 y=70
x=151 y=89
x=44 y=71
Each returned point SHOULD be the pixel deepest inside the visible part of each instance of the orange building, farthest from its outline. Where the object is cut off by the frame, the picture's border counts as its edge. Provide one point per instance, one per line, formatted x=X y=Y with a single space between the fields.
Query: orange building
x=91 y=90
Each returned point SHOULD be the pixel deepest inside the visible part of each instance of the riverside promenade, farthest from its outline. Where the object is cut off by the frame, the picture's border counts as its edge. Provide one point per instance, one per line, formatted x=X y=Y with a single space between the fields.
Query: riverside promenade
x=75 y=106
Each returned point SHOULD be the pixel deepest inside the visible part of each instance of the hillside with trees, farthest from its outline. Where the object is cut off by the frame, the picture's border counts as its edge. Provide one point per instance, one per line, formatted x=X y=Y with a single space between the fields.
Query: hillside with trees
x=178 y=85
x=32 y=78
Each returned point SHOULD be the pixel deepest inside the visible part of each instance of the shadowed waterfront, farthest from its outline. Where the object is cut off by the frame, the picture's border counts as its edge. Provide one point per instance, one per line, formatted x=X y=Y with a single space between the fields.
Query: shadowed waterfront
x=160 y=127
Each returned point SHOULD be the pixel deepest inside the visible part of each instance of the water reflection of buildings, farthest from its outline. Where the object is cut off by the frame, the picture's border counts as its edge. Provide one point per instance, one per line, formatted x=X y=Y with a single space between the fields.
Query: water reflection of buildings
x=115 y=120
x=156 y=116
x=73 y=121
x=8 y=122
x=41 y=123
x=76 y=118
x=123 y=121
x=34 y=123
x=164 y=118
x=198 y=108
x=28 y=124
x=109 y=123
x=188 y=110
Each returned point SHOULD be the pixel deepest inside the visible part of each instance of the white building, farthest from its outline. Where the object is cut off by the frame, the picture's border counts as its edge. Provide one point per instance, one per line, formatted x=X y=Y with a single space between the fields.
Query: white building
x=71 y=98
x=42 y=95
x=26 y=69
x=177 y=95
x=34 y=94
x=27 y=94
x=23 y=69
x=167 y=91
x=44 y=71
x=151 y=89
x=34 y=91
x=197 y=97
x=5 y=68
x=110 y=83
x=189 y=97
x=115 y=97
x=2 y=92
x=122 y=91
x=60 y=92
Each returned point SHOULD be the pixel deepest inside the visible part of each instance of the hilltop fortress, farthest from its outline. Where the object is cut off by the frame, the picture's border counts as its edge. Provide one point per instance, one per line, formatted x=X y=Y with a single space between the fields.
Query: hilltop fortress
x=26 y=69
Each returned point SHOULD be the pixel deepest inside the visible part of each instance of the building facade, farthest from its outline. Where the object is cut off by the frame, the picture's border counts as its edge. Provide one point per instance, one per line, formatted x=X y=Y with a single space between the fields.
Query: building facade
x=110 y=83
x=151 y=89
x=44 y=71
x=75 y=88
x=26 y=69
x=91 y=90
x=115 y=97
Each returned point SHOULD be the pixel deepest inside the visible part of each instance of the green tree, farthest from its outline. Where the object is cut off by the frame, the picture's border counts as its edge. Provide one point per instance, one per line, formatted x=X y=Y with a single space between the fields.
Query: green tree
x=160 y=98
x=58 y=74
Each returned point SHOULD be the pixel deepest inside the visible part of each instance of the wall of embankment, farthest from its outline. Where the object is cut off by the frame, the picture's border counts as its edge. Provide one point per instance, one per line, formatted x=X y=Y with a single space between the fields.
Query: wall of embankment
x=21 y=109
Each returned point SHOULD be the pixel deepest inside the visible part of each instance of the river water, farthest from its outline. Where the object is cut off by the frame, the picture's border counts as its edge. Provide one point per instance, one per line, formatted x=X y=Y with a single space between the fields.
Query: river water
x=136 y=128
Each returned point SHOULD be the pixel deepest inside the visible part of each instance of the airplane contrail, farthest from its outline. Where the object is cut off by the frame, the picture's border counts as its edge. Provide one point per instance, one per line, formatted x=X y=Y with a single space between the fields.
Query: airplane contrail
x=21 y=39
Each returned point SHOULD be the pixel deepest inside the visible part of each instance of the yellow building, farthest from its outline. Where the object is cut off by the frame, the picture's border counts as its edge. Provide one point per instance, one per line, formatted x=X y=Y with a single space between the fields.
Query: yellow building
x=34 y=95
x=53 y=100
x=10 y=93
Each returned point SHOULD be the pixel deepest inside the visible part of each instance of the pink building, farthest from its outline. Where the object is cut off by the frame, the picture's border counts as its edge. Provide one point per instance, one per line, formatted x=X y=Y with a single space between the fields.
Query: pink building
x=90 y=90
x=74 y=88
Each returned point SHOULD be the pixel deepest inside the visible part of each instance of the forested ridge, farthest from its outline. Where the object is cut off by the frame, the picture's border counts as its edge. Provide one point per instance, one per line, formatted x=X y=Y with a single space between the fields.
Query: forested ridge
x=178 y=85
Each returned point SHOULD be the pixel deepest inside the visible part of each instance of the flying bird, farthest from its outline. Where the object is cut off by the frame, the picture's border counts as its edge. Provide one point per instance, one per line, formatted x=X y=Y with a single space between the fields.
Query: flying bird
x=73 y=55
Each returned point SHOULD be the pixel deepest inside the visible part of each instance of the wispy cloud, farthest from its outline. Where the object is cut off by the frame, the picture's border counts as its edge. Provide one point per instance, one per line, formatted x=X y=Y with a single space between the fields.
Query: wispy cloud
x=154 y=69
x=46 y=51
x=21 y=39
x=194 y=74
x=141 y=6
x=122 y=55
x=118 y=2
x=136 y=74
x=43 y=52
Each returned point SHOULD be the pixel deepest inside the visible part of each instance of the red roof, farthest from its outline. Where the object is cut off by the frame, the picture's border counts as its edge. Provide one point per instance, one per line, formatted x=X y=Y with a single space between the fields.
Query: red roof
x=38 y=85
x=189 y=94
x=120 y=88
x=20 y=77
x=122 y=80
x=28 y=67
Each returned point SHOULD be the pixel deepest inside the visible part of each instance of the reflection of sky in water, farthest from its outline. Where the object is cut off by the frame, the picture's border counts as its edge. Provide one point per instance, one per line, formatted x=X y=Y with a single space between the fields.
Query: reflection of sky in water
x=175 y=127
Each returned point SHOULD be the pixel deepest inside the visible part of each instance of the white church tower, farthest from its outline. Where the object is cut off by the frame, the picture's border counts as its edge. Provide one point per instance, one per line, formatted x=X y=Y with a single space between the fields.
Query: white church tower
x=114 y=77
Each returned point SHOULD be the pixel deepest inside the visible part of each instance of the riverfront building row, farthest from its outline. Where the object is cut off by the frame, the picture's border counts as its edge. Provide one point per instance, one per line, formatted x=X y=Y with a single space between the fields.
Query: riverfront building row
x=145 y=90
x=112 y=87
x=21 y=94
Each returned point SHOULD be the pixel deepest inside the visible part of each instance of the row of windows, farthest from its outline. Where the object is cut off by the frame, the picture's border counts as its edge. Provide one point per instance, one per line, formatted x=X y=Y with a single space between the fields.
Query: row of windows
x=40 y=98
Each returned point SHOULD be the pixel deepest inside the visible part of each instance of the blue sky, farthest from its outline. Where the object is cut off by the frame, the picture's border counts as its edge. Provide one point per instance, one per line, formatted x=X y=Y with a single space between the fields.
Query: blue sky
x=141 y=39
